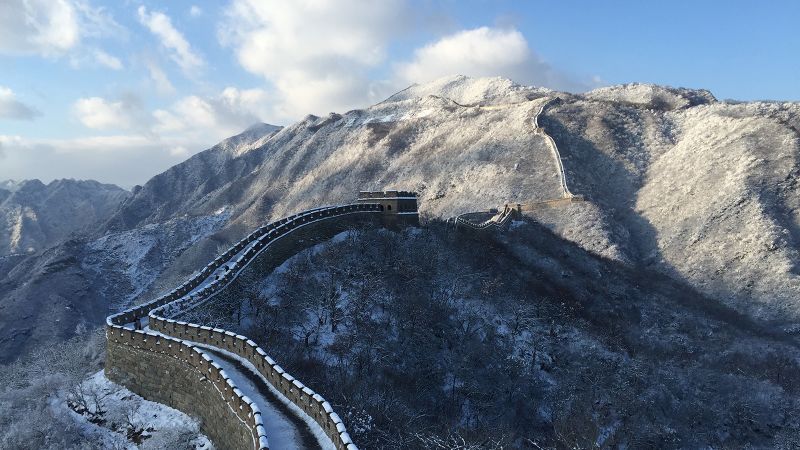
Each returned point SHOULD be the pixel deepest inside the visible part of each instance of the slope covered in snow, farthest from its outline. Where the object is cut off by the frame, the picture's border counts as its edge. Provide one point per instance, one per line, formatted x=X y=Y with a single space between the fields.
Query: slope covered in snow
x=699 y=195
x=466 y=91
x=73 y=286
x=706 y=193
x=458 y=157
x=111 y=416
x=652 y=96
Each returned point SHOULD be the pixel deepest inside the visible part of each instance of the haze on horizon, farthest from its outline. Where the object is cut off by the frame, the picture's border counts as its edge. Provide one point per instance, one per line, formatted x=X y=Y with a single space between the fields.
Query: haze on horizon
x=120 y=91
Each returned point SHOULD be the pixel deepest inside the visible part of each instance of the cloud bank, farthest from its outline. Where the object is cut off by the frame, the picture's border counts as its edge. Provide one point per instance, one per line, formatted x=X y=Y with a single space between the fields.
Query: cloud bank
x=483 y=52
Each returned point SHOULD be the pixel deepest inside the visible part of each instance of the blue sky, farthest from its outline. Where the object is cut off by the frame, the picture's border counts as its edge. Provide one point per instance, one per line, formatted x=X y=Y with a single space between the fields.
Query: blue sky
x=120 y=90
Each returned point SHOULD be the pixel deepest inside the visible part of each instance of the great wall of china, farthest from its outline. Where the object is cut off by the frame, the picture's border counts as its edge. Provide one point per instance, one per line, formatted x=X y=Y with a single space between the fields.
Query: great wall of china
x=173 y=362
x=165 y=360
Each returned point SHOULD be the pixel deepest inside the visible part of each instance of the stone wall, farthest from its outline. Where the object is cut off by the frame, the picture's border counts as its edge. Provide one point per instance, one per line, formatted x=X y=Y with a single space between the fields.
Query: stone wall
x=175 y=382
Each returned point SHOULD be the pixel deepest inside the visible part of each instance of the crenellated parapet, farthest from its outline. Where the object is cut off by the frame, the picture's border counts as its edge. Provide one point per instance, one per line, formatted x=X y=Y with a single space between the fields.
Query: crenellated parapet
x=162 y=359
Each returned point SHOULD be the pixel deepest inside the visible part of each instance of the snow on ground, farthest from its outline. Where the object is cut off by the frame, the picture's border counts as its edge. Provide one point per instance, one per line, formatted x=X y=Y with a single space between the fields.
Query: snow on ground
x=282 y=433
x=117 y=418
x=10 y=185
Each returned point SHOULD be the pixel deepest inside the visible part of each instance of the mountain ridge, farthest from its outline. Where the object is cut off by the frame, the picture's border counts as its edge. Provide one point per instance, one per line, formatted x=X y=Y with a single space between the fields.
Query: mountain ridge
x=649 y=168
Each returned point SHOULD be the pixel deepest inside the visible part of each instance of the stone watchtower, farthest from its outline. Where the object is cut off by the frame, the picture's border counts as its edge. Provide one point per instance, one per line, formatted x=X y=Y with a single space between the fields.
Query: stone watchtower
x=399 y=207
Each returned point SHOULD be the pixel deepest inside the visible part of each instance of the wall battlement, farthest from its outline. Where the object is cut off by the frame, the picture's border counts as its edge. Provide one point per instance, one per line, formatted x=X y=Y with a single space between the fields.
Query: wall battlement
x=163 y=362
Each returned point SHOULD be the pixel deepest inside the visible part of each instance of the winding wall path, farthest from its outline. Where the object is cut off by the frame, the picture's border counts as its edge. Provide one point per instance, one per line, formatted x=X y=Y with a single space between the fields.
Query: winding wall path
x=166 y=360
x=556 y=154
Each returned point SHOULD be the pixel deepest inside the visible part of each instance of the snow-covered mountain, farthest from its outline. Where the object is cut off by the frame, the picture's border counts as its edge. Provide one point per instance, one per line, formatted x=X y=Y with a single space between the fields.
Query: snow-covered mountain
x=705 y=191
x=34 y=215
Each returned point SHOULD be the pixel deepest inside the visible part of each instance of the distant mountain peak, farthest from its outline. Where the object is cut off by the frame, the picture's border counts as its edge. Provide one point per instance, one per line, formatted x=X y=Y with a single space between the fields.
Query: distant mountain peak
x=35 y=215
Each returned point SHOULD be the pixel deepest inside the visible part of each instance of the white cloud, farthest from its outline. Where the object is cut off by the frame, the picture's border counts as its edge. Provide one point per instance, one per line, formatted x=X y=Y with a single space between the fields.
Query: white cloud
x=200 y=119
x=46 y=27
x=195 y=11
x=479 y=52
x=160 y=79
x=193 y=112
x=321 y=56
x=316 y=54
x=215 y=117
x=168 y=122
x=179 y=151
x=97 y=22
x=104 y=59
x=101 y=114
x=482 y=52
x=180 y=51
x=11 y=108
x=51 y=28
x=244 y=104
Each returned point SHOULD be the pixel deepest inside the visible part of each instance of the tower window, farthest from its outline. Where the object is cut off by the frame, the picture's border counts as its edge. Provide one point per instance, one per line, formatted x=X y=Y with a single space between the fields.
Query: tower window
x=389 y=207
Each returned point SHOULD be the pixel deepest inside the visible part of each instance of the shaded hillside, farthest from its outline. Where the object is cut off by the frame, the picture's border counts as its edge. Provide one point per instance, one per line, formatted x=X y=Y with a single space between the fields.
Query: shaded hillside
x=522 y=340
x=72 y=287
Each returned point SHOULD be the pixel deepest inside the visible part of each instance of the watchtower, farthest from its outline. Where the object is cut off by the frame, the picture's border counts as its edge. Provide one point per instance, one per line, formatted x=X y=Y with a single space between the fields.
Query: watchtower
x=399 y=207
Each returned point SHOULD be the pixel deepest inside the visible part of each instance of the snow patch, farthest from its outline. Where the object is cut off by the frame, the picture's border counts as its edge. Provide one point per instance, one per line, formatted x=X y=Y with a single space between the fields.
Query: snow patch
x=122 y=411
